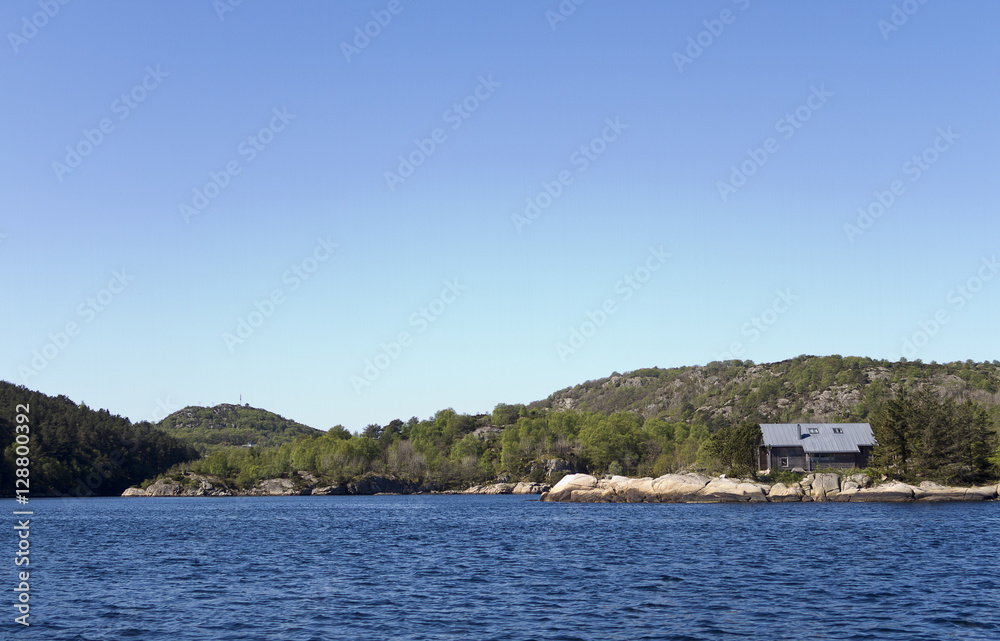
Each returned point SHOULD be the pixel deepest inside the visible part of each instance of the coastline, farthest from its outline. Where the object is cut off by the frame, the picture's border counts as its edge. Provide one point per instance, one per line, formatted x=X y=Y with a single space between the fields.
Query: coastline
x=585 y=488
x=697 y=488
x=205 y=485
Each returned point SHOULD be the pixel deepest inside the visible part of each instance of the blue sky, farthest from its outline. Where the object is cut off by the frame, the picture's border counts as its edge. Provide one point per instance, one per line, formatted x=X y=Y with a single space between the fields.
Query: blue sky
x=484 y=202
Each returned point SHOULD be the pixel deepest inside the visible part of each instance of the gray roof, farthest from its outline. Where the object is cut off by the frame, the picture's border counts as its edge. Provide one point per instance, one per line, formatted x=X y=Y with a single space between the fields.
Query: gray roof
x=852 y=437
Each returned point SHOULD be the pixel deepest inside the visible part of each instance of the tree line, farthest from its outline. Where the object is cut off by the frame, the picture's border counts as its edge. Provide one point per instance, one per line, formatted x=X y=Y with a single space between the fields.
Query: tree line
x=452 y=450
x=923 y=437
x=76 y=451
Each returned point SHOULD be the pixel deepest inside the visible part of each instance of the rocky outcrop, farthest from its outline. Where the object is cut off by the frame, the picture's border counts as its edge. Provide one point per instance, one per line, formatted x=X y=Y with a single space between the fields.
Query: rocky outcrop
x=780 y=493
x=386 y=485
x=531 y=488
x=495 y=488
x=723 y=490
x=892 y=492
x=508 y=488
x=302 y=483
x=670 y=488
x=928 y=491
x=824 y=484
x=192 y=485
x=695 y=488
x=329 y=490
x=276 y=487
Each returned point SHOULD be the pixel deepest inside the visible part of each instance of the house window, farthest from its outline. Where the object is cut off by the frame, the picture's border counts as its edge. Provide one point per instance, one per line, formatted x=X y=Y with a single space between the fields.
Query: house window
x=814 y=430
x=838 y=430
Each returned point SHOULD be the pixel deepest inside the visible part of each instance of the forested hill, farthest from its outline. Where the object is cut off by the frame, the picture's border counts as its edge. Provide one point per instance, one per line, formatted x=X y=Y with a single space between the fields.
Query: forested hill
x=77 y=451
x=211 y=428
x=802 y=389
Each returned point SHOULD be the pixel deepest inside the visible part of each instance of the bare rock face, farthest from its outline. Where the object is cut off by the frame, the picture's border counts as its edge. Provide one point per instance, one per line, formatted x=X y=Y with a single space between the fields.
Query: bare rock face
x=635 y=490
x=329 y=490
x=983 y=493
x=165 y=487
x=385 y=485
x=531 y=488
x=824 y=484
x=723 y=490
x=928 y=491
x=781 y=493
x=862 y=480
x=695 y=488
x=496 y=488
x=575 y=488
x=892 y=492
x=193 y=485
x=678 y=487
x=276 y=487
x=670 y=488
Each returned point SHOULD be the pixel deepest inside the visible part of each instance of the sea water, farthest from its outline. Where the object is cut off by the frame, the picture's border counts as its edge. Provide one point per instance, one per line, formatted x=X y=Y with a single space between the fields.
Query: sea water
x=503 y=567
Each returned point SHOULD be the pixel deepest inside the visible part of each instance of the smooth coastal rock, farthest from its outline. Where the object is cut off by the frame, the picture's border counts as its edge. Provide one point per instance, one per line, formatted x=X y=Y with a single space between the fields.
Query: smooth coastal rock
x=531 y=488
x=495 y=488
x=780 y=493
x=670 y=488
x=695 y=488
x=508 y=488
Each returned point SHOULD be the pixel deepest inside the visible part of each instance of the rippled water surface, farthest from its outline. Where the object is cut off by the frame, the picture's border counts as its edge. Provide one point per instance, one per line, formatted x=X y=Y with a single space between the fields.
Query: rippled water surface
x=506 y=567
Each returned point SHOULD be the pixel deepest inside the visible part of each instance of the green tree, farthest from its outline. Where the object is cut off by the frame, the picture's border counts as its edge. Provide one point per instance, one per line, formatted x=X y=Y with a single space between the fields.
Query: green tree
x=736 y=447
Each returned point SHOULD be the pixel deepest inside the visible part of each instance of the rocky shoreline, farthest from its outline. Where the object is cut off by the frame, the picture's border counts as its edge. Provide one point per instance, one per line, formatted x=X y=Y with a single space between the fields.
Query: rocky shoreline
x=697 y=488
x=307 y=484
x=584 y=488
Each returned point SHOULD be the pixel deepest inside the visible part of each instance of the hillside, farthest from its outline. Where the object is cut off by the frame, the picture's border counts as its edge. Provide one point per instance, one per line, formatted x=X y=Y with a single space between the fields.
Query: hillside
x=802 y=389
x=211 y=428
x=77 y=451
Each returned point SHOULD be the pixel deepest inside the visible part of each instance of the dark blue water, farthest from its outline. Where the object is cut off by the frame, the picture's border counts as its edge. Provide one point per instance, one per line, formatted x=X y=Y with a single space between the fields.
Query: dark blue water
x=503 y=567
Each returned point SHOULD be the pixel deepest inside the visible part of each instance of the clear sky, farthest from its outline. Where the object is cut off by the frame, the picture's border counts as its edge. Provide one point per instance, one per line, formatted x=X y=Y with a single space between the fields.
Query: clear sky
x=349 y=212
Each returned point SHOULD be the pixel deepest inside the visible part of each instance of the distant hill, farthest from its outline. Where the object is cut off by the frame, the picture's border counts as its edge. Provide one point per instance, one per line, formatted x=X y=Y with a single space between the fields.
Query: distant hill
x=74 y=450
x=801 y=389
x=211 y=428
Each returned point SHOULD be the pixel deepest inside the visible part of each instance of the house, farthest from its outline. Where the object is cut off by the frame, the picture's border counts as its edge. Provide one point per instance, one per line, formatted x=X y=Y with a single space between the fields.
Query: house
x=812 y=446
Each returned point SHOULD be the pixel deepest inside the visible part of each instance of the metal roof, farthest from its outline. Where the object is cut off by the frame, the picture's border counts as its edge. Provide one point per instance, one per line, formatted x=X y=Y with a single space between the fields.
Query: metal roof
x=851 y=438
